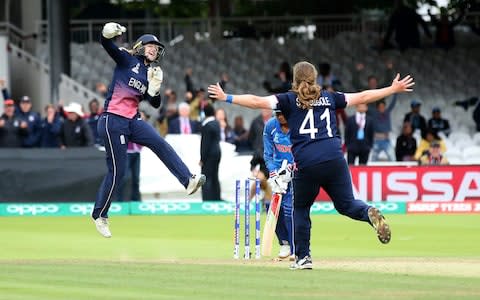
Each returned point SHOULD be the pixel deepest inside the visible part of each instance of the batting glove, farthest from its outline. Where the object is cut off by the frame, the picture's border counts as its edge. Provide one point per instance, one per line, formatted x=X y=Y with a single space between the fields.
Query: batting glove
x=278 y=186
x=155 y=78
x=286 y=175
x=111 y=30
x=273 y=174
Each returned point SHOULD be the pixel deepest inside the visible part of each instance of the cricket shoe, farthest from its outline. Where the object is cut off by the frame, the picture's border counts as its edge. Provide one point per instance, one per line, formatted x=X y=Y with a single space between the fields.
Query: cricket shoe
x=302 y=264
x=380 y=225
x=284 y=252
x=195 y=182
x=102 y=227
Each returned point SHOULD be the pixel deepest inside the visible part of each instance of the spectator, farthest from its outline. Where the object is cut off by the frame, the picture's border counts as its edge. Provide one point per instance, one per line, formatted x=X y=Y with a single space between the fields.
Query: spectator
x=167 y=111
x=444 y=34
x=406 y=144
x=196 y=105
x=101 y=89
x=359 y=136
x=404 y=23
x=437 y=123
x=226 y=132
x=259 y=171
x=282 y=81
x=188 y=97
x=415 y=118
x=255 y=134
x=210 y=155
x=433 y=156
x=4 y=89
x=382 y=126
x=12 y=128
x=326 y=79
x=183 y=124
x=33 y=120
x=92 y=120
x=373 y=82
x=240 y=136
x=255 y=139
x=188 y=81
x=50 y=128
x=223 y=81
x=75 y=131
x=429 y=137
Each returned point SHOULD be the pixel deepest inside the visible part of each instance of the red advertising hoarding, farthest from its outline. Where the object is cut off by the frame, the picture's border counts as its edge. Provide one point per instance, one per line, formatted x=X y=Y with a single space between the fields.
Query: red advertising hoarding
x=415 y=183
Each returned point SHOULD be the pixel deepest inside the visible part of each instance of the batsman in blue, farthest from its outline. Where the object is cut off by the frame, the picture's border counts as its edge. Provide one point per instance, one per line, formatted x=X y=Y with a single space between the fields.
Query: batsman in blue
x=277 y=148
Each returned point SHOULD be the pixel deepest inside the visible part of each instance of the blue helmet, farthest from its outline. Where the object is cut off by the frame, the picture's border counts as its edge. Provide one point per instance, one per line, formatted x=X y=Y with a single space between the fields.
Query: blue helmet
x=145 y=39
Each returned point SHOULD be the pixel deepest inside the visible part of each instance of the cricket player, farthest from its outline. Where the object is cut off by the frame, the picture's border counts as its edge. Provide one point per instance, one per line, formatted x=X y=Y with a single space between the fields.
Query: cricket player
x=277 y=148
x=310 y=113
x=136 y=77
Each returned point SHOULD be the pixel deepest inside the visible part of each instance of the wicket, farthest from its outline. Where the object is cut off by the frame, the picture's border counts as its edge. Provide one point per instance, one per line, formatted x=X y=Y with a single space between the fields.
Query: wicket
x=236 y=250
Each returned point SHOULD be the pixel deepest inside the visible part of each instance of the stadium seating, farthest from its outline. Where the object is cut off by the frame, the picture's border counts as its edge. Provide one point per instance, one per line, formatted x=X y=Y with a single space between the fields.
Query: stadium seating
x=442 y=77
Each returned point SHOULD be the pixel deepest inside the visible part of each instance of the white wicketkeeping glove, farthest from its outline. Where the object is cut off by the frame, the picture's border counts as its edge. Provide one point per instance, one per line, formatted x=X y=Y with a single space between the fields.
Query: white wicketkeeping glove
x=111 y=30
x=155 y=78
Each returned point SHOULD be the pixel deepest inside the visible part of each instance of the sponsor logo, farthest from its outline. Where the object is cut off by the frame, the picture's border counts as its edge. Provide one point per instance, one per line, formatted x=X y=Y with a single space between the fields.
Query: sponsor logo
x=32 y=209
x=328 y=207
x=163 y=207
x=322 y=207
x=135 y=69
x=218 y=207
x=86 y=209
x=378 y=184
x=442 y=207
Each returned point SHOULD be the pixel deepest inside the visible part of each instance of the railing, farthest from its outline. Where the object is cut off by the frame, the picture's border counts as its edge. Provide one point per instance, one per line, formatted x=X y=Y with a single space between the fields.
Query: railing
x=303 y=27
x=84 y=31
x=16 y=36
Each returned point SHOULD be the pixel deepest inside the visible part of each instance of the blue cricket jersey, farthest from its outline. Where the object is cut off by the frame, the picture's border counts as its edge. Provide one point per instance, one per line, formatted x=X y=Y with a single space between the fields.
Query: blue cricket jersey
x=276 y=145
x=313 y=131
x=129 y=84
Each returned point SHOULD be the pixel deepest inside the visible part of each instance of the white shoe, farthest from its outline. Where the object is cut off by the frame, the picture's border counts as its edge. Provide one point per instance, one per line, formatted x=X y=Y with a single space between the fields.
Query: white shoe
x=102 y=227
x=195 y=182
x=284 y=251
x=302 y=264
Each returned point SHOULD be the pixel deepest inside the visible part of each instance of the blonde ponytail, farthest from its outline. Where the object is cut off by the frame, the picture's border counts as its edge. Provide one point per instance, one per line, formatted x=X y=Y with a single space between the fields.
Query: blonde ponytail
x=304 y=84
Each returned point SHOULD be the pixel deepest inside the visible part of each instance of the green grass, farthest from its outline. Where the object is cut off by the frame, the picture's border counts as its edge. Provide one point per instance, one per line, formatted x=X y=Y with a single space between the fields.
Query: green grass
x=190 y=257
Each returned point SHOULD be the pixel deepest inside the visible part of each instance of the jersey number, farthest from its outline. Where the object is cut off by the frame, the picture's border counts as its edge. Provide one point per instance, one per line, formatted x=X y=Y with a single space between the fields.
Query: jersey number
x=312 y=129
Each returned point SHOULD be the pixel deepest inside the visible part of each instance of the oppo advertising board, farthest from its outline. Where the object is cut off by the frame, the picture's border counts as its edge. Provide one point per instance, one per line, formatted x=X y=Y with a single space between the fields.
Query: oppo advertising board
x=435 y=189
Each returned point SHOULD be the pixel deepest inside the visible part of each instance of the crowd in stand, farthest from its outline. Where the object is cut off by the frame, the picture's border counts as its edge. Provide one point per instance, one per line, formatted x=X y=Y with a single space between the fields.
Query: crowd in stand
x=366 y=133
x=61 y=126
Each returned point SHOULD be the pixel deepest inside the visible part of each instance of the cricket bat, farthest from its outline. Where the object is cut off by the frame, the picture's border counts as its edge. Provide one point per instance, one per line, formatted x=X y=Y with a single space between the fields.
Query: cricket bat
x=271 y=224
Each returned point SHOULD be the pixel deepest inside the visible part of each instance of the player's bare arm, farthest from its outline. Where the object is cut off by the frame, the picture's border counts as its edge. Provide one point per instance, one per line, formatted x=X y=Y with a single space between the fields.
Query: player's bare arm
x=247 y=100
x=398 y=86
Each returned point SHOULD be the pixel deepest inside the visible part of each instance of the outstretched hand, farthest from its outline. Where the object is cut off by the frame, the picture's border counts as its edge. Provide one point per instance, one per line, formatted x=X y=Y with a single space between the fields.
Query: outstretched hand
x=215 y=91
x=402 y=85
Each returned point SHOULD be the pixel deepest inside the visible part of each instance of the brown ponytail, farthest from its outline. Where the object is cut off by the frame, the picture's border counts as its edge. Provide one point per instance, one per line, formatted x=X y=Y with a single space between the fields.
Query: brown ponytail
x=305 y=84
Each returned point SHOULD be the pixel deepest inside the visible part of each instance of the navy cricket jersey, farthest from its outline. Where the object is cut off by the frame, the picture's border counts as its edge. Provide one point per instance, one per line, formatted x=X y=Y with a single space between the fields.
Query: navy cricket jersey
x=129 y=84
x=313 y=132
